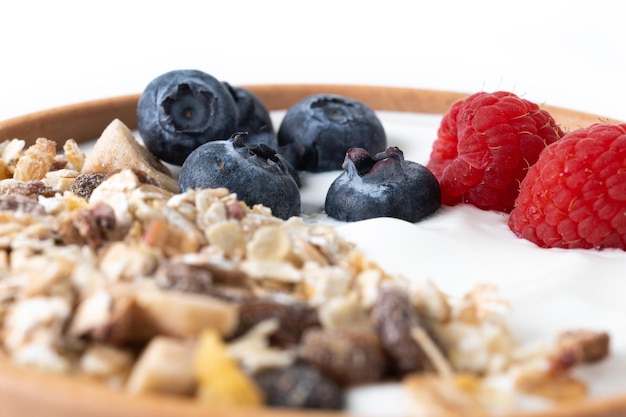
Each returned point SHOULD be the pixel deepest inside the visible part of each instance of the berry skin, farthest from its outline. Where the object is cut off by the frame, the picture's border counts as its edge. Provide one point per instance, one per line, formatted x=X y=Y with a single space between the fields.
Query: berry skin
x=385 y=185
x=316 y=132
x=575 y=195
x=484 y=146
x=257 y=174
x=253 y=117
x=182 y=109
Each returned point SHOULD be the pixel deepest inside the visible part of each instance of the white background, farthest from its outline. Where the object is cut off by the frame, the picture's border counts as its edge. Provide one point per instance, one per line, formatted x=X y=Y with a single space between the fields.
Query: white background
x=565 y=53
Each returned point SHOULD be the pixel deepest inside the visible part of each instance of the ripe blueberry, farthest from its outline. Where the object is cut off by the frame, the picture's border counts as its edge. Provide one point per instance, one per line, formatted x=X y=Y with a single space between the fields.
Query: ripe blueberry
x=182 y=109
x=253 y=117
x=385 y=185
x=256 y=173
x=326 y=126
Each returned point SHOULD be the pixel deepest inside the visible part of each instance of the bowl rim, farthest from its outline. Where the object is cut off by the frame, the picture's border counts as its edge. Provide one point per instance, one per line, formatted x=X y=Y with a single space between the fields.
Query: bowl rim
x=61 y=395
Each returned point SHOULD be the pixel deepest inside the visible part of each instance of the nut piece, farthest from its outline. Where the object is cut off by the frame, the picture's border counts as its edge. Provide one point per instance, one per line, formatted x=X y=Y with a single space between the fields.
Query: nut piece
x=117 y=149
x=187 y=314
x=166 y=366
x=36 y=161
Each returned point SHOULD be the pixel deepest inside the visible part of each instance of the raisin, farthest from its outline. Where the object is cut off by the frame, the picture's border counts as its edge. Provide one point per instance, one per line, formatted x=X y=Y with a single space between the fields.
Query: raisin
x=31 y=189
x=294 y=317
x=299 y=386
x=88 y=226
x=20 y=203
x=347 y=356
x=179 y=276
x=394 y=316
x=84 y=184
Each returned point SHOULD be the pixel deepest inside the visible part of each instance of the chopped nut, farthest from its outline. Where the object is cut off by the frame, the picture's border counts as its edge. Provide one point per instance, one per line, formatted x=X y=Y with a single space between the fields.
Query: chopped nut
x=36 y=161
x=75 y=157
x=118 y=149
x=106 y=362
x=187 y=314
x=166 y=366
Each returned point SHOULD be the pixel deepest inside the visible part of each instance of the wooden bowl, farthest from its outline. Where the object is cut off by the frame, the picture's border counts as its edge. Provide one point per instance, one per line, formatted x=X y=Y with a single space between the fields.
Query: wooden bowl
x=29 y=393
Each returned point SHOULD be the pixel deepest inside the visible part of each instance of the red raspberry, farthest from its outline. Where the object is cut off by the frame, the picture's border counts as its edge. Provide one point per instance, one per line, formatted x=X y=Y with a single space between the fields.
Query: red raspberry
x=484 y=146
x=575 y=195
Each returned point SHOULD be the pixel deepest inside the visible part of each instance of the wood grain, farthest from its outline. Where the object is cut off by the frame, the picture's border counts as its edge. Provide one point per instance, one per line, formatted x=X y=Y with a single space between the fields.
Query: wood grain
x=27 y=393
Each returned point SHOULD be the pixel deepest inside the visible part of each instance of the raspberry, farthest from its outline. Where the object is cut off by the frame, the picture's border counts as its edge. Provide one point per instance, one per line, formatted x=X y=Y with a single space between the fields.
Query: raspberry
x=575 y=195
x=484 y=146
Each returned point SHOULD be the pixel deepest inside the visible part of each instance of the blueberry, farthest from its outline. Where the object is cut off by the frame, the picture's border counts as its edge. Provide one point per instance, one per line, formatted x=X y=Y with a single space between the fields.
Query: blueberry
x=385 y=185
x=256 y=173
x=182 y=109
x=326 y=126
x=253 y=117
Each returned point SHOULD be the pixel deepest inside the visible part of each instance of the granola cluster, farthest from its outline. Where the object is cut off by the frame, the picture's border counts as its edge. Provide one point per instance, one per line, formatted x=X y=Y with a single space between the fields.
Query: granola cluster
x=108 y=271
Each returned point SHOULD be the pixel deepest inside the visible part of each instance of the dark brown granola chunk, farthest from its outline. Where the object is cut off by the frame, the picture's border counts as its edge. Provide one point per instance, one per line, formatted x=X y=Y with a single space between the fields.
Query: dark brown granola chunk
x=180 y=276
x=88 y=226
x=299 y=386
x=20 y=203
x=347 y=356
x=579 y=346
x=394 y=317
x=31 y=189
x=294 y=318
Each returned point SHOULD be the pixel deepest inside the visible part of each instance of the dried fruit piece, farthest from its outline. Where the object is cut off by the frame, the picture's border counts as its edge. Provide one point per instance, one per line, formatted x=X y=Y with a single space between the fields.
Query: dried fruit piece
x=394 y=317
x=294 y=317
x=299 y=386
x=220 y=379
x=347 y=356
x=180 y=276
x=84 y=184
